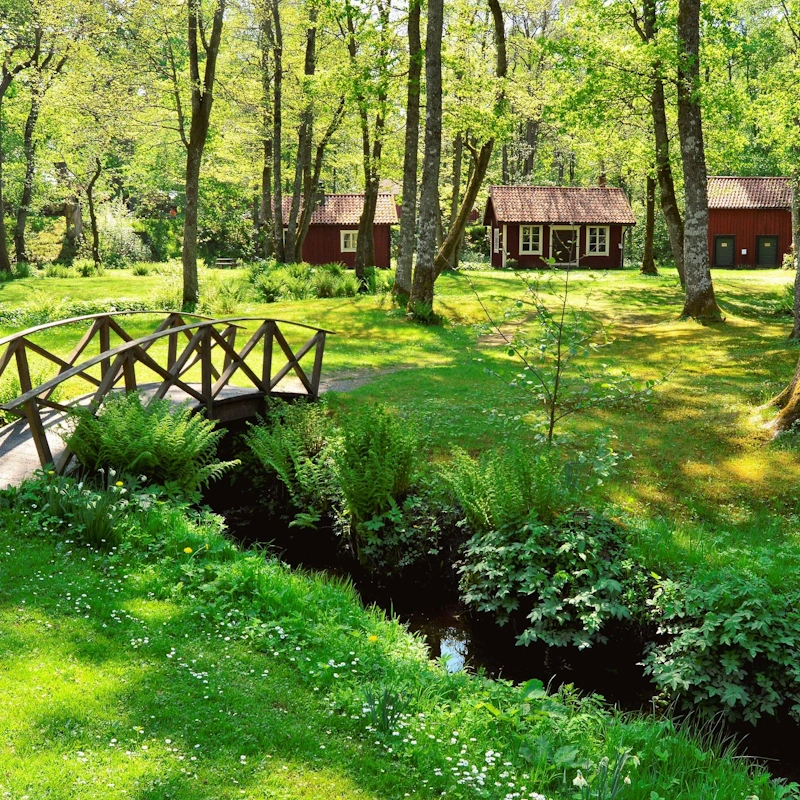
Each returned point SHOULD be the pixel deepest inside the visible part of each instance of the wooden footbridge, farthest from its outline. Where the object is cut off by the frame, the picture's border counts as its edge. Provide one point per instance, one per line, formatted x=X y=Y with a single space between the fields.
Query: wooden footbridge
x=185 y=358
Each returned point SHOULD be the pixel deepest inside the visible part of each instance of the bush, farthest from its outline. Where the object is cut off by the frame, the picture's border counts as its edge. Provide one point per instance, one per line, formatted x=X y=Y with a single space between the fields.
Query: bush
x=119 y=244
x=140 y=269
x=559 y=584
x=348 y=285
x=58 y=271
x=375 y=463
x=732 y=645
x=476 y=239
x=295 y=446
x=167 y=444
x=508 y=487
x=86 y=268
x=161 y=236
x=512 y=263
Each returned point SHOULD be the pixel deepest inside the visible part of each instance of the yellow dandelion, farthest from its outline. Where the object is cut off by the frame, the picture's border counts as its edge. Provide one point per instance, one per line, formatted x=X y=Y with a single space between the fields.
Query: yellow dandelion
x=372 y=638
x=51 y=472
x=187 y=550
x=119 y=483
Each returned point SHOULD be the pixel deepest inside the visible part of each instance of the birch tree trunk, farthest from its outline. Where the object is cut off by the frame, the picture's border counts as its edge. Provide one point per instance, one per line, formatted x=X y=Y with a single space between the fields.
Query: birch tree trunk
x=700 y=301
x=796 y=253
x=421 y=300
x=408 y=211
x=271 y=22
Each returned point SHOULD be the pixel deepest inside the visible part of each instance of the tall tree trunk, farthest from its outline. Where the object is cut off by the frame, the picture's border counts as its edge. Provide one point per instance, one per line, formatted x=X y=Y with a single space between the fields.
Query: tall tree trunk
x=312 y=185
x=458 y=157
x=700 y=301
x=5 y=259
x=446 y=255
x=202 y=101
x=421 y=300
x=92 y=214
x=648 y=261
x=504 y=161
x=796 y=252
x=531 y=142
x=408 y=211
x=266 y=226
x=666 y=184
x=29 y=148
x=305 y=135
x=274 y=34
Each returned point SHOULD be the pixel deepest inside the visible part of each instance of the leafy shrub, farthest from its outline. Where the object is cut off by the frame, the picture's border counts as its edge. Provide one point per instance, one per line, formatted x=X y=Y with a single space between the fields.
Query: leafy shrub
x=140 y=269
x=58 y=271
x=560 y=584
x=325 y=284
x=507 y=487
x=348 y=285
x=63 y=506
x=86 y=268
x=268 y=287
x=222 y=296
x=168 y=444
x=120 y=246
x=375 y=463
x=476 y=239
x=512 y=263
x=731 y=648
x=295 y=445
x=22 y=269
x=161 y=236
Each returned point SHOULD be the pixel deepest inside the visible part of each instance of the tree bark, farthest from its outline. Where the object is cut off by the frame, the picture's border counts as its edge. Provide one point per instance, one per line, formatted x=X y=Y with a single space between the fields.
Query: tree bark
x=92 y=215
x=421 y=300
x=29 y=149
x=446 y=255
x=274 y=33
x=788 y=403
x=700 y=301
x=305 y=135
x=267 y=241
x=666 y=184
x=458 y=157
x=408 y=211
x=202 y=101
x=648 y=261
x=796 y=253
x=531 y=142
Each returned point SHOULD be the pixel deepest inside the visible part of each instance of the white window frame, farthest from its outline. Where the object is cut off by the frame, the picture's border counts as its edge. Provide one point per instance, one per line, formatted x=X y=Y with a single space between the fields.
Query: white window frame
x=496 y=240
x=344 y=235
x=605 y=251
x=530 y=251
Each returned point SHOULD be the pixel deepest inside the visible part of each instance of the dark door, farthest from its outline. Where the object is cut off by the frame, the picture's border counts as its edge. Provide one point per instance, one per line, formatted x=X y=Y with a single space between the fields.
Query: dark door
x=767 y=249
x=564 y=245
x=724 y=249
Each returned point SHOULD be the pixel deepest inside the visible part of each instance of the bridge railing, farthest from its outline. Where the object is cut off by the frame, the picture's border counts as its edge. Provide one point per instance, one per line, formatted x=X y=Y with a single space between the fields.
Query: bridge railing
x=192 y=340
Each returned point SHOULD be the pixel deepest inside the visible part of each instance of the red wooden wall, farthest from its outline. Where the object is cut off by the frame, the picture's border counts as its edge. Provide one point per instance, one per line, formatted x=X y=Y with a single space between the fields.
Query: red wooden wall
x=746 y=225
x=323 y=245
x=612 y=261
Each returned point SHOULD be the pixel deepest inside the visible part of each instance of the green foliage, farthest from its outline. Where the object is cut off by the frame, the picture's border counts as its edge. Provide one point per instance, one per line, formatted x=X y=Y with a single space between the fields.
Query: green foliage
x=168 y=444
x=273 y=282
x=507 y=486
x=140 y=269
x=295 y=445
x=86 y=268
x=67 y=508
x=120 y=246
x=162 y=236
x=375 y=463
x=58 y=271
x=731 y=644
x=560 y=583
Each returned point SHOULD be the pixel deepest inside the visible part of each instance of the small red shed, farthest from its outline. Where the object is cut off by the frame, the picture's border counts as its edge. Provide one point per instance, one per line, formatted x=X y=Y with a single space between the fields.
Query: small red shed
x=581 y=226
x=333 y=232
x=749 y=221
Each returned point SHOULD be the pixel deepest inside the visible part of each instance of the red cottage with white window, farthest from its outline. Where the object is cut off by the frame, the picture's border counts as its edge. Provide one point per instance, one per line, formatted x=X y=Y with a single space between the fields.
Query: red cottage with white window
x=579 y=226
x=332 y=234
x=749 y=221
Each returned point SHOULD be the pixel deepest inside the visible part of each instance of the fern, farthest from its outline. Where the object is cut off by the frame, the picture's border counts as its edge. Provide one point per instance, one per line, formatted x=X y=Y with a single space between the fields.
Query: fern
x=164 y=442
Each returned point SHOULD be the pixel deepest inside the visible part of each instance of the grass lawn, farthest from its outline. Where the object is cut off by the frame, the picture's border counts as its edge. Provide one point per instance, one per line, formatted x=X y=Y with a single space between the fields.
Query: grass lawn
x=104 y=658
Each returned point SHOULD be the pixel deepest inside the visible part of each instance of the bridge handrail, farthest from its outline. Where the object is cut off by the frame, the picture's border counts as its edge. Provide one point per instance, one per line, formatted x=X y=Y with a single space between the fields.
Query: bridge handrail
x=12 y=337
x=106 y=355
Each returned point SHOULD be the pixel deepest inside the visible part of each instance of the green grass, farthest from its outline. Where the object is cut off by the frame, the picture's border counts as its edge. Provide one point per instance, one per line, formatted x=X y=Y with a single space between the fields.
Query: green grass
x=153 y=672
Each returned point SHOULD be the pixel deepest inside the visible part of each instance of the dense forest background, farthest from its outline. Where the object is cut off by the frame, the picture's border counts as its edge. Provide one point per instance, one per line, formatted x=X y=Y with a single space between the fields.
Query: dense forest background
x=107 y=124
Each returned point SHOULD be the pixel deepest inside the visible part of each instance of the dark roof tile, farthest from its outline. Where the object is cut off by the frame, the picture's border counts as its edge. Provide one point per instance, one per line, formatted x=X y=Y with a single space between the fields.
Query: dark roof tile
x=345 y=209
x=737 y=192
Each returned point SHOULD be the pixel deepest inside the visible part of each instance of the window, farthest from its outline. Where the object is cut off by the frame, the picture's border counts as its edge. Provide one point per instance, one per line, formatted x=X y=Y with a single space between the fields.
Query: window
x=530 y=239
x=597 y=241
x=349 y=240
x=497 y=240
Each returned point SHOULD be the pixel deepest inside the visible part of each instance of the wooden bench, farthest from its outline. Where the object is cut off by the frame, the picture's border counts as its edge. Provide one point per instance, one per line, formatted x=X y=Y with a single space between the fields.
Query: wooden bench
x=226 y=263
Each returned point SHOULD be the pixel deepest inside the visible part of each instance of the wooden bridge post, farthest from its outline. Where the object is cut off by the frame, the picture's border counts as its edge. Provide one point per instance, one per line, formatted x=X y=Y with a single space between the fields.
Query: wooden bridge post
x=206 y=370
x=32 y=407
x=269 y=339
x=317 y=371
x=105 y=344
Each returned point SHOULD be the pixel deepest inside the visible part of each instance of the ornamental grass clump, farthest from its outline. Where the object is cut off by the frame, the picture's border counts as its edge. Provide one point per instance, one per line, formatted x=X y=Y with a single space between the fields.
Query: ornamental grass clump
x=167 y=444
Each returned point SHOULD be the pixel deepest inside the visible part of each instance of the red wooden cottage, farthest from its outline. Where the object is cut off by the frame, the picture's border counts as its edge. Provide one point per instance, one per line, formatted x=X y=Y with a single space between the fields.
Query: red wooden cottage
x=582 y=226
x=333 y=232
x=749 y=221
